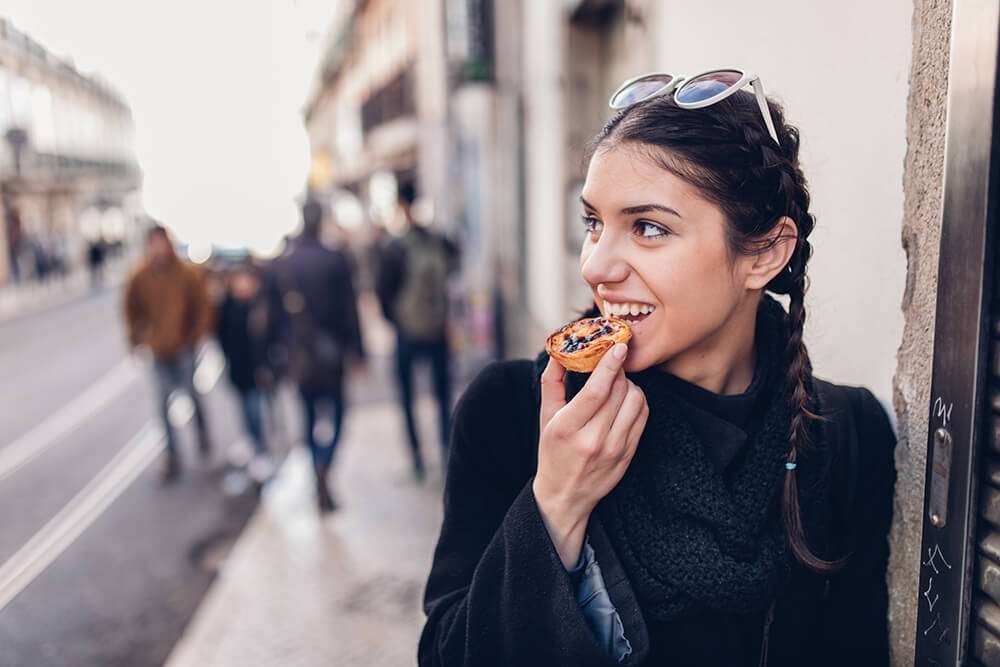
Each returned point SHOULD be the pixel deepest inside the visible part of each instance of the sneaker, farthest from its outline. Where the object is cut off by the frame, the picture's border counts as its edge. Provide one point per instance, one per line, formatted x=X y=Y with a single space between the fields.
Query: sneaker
x=326 y=503
x=171 y=470
x=260 y=468
x=204 y=446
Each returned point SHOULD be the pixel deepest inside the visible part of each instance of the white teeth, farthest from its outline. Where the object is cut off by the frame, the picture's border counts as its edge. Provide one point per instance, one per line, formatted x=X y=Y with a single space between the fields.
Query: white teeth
x=627 y=309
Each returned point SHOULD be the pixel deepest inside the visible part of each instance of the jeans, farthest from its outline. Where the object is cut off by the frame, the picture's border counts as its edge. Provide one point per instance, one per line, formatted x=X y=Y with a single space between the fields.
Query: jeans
x=252 y=403
x=436 y=351
x=312 y=403
x=173 y=375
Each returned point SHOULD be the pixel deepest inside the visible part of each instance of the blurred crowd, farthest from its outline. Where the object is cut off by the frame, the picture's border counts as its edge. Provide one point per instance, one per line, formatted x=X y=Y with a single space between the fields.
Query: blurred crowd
x=42 y=258
x=294 y=320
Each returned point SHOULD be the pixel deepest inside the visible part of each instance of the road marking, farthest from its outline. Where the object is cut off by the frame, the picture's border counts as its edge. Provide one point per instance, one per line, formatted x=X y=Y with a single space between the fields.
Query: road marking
x=79 y=513
x=64 y=420
x=210 y=367
x=86 y=506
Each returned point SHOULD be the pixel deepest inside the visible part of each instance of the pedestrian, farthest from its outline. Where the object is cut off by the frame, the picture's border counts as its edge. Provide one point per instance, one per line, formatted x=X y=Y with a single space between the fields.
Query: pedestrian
x=96 y=255
x=167 y=311
x=245 y=330
x=700 y=498
x=320 y=305
x=412 y=287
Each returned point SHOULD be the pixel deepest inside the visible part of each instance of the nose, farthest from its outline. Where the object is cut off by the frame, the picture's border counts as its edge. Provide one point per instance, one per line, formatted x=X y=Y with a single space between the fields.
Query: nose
x=603 y=262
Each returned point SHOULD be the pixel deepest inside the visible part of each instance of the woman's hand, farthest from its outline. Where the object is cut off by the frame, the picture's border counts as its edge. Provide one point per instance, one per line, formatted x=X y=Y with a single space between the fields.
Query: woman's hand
x=585 y=446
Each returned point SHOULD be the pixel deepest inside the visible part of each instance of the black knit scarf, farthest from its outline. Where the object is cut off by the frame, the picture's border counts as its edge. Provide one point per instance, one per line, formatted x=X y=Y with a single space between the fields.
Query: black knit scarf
x=689 y=536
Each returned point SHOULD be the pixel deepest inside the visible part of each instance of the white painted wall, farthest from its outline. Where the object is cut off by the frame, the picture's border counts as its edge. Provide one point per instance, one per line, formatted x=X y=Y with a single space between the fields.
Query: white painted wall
x=841 y=71
x=545 y=147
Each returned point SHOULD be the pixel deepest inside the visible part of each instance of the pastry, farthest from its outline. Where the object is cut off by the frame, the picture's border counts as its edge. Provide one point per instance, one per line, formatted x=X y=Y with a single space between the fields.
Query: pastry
x=579 y=345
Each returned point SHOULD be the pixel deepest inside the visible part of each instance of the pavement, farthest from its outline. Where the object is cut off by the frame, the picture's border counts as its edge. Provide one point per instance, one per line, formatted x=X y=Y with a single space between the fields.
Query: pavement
x=344 y=589
x=18 y=300
x=303 y=589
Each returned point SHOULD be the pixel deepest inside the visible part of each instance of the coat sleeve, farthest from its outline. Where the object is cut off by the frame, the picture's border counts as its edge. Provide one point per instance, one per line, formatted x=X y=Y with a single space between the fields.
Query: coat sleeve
x=348 y=322
x=201 y=309
x=134 y=311
x=498 y=593
x=389 y=273
x=856 y=630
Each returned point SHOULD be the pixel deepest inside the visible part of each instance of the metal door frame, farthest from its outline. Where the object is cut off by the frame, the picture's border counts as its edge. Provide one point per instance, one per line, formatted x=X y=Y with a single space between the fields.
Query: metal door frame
x=957 y=399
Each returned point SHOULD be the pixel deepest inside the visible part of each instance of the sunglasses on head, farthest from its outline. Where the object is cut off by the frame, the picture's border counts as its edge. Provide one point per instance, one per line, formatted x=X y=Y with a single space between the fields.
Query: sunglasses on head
x=698 y=91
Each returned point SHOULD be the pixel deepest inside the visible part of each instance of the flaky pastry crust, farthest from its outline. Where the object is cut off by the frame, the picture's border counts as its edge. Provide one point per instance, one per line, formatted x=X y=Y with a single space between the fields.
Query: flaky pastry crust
x=579 y=345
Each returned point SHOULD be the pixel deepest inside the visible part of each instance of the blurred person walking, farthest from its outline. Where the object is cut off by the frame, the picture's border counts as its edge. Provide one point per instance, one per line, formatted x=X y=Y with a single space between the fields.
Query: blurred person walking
x=168 y=311
x=320 y=306
x=246 y=331
x=96 y=256
x=412 y=287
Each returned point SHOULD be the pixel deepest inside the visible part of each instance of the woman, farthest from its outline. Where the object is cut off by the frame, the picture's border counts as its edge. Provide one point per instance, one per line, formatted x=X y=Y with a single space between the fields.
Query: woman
x=700 y=498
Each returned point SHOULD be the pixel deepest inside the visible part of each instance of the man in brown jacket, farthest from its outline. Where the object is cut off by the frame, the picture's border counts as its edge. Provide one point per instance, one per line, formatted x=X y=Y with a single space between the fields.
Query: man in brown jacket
x=168 y=311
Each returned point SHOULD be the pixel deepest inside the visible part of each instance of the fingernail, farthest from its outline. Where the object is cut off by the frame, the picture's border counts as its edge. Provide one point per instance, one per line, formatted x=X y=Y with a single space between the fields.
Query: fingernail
x=619 y=350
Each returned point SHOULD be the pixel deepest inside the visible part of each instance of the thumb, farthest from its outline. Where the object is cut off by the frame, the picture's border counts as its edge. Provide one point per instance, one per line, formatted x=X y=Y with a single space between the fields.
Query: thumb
x=553 y=391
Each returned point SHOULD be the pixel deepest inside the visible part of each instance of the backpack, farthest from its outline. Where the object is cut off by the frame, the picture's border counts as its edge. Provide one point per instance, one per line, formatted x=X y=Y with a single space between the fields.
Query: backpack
x=316 y=358
x=422 y=305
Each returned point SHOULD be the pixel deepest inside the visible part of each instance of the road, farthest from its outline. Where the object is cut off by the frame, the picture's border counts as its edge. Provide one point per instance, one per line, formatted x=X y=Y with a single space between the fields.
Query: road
x=101 y=564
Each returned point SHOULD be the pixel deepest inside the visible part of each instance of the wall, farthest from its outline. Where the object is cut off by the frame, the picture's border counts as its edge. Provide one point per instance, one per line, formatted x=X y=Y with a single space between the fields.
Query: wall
x=920 y=238
x=544 y=133
x=817 y=58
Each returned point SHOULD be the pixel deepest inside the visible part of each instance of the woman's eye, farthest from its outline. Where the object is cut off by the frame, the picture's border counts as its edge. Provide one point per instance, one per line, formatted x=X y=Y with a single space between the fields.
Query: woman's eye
x=592 y=225
x=649 y=230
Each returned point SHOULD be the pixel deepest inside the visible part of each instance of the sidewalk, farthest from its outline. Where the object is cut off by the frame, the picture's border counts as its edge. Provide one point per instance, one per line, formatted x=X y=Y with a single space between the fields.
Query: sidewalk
x=23 y=299
x=345 y=589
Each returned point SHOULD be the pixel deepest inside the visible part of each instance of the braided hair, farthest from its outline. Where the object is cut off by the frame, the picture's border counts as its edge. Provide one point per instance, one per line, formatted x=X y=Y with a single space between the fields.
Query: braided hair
x=726 y=152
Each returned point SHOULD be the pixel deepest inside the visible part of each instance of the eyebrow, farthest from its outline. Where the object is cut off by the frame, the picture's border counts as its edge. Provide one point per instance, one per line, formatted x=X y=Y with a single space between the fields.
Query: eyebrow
x=642 y=208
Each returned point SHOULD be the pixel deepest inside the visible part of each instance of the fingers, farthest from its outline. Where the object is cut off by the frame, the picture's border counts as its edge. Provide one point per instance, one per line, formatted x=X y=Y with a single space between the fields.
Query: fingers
x=597 y=389
x=553 y=391
x=638 y=426
x=605 y=416
x=631 y=410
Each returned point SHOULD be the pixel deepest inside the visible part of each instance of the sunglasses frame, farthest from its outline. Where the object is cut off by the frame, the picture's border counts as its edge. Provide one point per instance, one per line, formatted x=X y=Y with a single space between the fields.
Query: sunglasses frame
x=677 y=84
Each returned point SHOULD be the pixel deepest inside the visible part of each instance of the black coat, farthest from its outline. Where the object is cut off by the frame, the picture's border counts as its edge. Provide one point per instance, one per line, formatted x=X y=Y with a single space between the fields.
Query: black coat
x=498 y=593
x=246 y=350
x=323 y=276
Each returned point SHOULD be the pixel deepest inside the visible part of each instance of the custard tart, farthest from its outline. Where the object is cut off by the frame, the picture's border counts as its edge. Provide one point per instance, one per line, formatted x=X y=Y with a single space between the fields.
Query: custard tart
x=579 y=345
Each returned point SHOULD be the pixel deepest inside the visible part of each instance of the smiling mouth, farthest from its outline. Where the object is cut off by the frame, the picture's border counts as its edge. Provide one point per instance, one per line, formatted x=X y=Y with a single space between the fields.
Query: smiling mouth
x=630 y=312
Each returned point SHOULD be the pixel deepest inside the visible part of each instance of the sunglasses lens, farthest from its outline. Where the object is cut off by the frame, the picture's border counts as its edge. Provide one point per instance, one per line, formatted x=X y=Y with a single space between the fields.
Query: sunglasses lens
x=707 y=86
x=639 y=90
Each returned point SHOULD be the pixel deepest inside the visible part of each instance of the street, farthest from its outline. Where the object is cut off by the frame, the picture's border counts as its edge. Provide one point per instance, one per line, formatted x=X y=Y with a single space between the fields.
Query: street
x=101 y=564
x=121 y=593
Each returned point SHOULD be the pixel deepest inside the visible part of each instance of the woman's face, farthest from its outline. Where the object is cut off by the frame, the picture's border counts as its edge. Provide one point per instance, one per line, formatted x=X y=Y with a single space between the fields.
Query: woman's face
x=656 y=249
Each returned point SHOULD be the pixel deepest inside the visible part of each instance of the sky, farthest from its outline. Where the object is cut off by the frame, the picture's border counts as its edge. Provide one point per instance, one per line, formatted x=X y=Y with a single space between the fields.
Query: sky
x=216 y=90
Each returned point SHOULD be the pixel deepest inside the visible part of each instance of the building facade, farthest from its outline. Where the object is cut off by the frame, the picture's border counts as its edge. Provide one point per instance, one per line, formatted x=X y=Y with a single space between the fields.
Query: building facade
x=404 y=94
x=67 y=165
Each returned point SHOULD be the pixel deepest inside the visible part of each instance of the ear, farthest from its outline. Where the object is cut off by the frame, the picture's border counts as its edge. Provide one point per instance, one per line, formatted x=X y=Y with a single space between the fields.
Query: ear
x=779 y=246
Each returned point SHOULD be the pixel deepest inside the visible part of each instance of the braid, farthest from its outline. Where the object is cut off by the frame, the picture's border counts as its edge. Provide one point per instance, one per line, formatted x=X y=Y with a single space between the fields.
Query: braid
x=799 y=373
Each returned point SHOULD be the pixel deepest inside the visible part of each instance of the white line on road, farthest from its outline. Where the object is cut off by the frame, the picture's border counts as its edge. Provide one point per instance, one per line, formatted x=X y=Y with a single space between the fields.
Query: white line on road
x=84 y=406
x=208 y=372
x=86 y=506
x=77 y=515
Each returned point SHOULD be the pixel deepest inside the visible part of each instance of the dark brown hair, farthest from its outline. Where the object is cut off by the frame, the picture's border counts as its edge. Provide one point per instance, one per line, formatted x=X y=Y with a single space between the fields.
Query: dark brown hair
x=726 y=152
